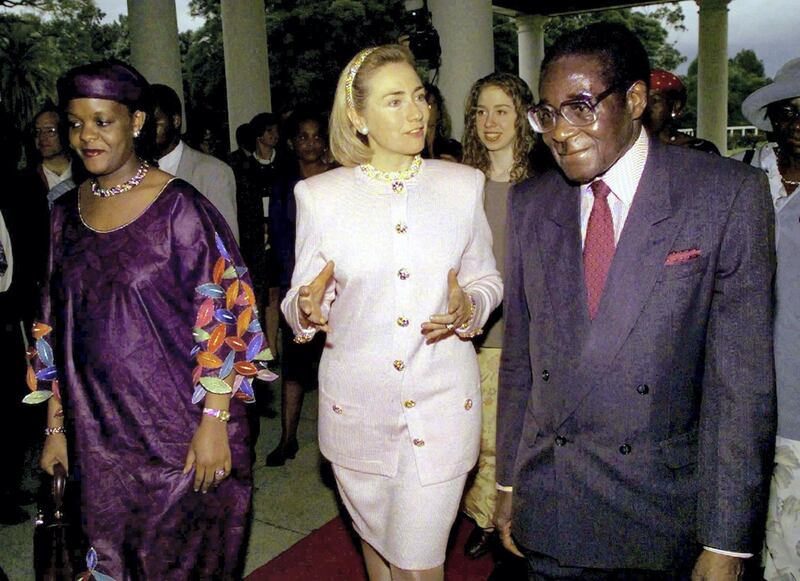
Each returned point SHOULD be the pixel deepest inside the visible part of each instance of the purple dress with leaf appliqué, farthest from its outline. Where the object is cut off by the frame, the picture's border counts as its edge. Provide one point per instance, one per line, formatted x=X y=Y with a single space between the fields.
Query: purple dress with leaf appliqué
x=144 y=319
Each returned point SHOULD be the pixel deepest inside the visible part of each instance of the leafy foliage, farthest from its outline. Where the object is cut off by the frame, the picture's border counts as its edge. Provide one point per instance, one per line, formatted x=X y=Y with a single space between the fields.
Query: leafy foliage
x=28 y=68
x=309 y=44
x=745 y=75
x=652 y=27
x=38 y=47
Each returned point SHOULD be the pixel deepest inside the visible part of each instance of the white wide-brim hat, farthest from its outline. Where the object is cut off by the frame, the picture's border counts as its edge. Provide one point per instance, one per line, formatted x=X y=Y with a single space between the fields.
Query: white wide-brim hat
x=786 y=85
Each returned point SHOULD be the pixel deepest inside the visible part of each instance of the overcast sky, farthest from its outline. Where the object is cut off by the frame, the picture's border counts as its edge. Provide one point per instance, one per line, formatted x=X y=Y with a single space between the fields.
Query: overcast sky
x=769 y=27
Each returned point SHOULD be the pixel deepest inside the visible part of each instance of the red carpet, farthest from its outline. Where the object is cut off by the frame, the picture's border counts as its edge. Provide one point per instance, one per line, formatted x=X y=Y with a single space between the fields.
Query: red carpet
x=330 y=553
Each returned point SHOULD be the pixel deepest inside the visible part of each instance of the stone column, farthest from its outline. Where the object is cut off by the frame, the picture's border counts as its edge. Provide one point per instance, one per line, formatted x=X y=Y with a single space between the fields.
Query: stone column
x=244 y=37
x=530 y=43
x=155 y=51
x=467 y=38
x=712 y=72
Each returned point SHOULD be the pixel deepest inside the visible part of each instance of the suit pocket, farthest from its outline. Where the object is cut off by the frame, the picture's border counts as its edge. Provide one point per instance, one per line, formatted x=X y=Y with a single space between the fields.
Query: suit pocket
x=684 y=269
x=680 y=451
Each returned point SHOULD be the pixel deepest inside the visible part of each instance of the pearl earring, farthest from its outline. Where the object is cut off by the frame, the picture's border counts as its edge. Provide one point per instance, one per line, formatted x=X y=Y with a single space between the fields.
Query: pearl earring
x=136 y=133
x=364 y=130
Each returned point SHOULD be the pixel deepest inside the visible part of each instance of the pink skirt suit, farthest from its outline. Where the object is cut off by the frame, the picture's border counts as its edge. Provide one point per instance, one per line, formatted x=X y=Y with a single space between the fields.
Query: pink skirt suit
x=398 y=419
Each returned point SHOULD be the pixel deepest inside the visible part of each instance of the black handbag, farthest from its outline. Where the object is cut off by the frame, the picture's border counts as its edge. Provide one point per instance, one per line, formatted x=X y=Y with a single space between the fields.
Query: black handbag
x=57 y=542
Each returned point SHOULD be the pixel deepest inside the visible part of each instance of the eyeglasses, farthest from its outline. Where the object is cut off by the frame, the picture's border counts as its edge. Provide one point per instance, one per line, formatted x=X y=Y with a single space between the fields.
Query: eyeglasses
x=45 y=131
x=784 y=113
x=577 y=112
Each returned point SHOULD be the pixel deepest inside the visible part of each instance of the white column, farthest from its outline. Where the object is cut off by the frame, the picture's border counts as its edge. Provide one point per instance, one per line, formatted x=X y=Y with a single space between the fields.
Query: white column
x=155 y=51
x=712 y=72
x=467 y=38
x=244 y=39
x=530 y=43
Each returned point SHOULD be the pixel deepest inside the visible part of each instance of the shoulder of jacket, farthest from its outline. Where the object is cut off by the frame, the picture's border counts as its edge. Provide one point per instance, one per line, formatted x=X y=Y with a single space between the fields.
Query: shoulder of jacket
x=332 y=179
x=439 y=168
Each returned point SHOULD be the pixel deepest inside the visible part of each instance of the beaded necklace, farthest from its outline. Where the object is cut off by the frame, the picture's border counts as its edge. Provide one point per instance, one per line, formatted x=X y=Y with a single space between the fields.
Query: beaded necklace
x=396 y=178
x=137 y=178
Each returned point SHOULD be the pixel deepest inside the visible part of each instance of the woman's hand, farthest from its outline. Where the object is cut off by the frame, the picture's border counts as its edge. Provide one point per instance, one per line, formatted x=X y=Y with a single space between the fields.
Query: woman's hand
x=310 y=299
x=209 y=453
x=459 y=312
x=54 y=452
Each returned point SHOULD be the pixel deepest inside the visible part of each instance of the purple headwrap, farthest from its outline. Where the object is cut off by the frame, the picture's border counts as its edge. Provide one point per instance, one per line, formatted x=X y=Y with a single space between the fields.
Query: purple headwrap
x=112 y=80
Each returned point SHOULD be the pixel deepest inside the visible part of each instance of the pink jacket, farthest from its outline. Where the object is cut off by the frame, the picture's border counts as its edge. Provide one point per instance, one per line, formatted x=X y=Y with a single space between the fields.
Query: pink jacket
x=392 y=253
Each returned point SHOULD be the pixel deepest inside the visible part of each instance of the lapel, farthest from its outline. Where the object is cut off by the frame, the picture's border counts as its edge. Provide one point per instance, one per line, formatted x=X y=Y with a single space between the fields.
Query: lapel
x=185 y=164
x=560 y=244
x=646 y=239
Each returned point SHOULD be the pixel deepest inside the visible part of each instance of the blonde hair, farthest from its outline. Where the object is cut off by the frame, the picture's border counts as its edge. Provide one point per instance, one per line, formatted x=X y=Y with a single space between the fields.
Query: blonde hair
x=347 y=145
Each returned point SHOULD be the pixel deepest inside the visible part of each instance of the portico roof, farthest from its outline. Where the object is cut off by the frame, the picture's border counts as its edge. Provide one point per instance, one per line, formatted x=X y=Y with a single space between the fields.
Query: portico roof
x=560 y=7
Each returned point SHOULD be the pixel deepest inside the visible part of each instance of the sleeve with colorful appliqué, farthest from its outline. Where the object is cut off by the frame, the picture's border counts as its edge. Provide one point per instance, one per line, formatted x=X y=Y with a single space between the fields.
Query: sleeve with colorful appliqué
x=42 y=374
x=230 y=349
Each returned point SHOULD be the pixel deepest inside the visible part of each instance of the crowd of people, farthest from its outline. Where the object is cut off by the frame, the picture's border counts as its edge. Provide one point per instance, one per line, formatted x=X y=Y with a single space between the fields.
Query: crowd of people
x=579 y=326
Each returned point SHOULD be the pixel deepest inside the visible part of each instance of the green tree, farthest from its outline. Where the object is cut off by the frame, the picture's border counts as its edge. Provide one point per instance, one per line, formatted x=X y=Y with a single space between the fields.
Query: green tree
x=38 y=47
x=27 y=68
x=745 y=75
x=309 y=44
x=204 y=68
x=652 y=27
x=81 y=36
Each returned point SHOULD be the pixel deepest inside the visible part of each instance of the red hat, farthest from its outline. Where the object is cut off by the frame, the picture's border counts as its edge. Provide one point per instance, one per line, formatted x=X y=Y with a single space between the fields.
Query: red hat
x=664 y=81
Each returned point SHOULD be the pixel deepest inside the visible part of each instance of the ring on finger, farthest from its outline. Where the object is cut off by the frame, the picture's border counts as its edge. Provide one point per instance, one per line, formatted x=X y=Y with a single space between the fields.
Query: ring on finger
x=219 y=473
x=450 y=326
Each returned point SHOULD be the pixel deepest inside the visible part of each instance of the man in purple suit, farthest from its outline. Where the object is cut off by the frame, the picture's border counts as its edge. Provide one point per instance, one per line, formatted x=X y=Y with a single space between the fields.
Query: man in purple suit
x=636 y=414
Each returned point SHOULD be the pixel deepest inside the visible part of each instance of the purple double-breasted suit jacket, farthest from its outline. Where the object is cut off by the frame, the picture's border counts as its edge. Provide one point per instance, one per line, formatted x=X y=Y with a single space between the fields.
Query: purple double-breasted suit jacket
x=636 y=438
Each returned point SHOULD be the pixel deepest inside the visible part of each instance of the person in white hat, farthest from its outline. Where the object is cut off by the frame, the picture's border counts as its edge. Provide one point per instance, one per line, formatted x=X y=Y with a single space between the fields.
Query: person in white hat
x=776 y=109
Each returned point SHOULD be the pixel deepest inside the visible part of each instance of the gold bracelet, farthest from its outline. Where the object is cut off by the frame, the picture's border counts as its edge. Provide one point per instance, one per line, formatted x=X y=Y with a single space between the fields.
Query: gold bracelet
x=302 y=338
x=222 y=415
x=462 y=329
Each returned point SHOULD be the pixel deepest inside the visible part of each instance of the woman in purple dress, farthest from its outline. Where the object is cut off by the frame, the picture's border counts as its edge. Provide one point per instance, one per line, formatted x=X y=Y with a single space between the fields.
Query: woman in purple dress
x=149 y=326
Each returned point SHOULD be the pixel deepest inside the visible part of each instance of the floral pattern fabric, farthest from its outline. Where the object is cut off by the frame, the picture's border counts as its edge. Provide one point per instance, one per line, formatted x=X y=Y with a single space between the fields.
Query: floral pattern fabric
x=481 y=494
x=782 y=545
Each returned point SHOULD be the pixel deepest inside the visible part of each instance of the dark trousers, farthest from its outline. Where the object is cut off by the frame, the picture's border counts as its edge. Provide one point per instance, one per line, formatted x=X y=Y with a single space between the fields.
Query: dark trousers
x=544 y=568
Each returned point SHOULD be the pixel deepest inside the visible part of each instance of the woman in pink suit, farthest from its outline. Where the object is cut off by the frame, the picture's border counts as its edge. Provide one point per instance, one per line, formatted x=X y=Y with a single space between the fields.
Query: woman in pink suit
x=395 y=263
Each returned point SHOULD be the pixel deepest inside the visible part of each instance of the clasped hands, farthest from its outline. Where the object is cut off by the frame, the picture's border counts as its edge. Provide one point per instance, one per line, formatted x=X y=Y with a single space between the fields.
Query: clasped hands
x=439 y=326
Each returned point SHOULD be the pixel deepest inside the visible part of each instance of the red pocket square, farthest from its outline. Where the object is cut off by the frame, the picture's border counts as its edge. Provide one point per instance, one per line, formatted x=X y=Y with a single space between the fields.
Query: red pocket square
x=681 y=256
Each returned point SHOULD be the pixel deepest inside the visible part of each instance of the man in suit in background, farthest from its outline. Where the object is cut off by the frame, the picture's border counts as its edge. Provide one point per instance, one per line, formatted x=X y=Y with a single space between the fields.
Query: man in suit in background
x=212 y=178
x=54 y=171
x=636 y=414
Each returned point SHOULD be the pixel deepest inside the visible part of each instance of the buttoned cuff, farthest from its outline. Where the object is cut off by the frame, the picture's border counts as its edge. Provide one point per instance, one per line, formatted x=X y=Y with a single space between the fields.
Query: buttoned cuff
x=729 y=553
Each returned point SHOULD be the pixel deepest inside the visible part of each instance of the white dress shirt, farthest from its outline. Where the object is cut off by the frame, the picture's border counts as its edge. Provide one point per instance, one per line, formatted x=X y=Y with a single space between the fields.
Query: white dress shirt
x=5 y=240
x=623 y=179
x=53 y=179
x=170 y=162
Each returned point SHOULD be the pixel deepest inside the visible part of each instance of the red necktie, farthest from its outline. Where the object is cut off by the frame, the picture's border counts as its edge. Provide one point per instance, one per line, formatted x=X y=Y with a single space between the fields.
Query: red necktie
x=598 y=248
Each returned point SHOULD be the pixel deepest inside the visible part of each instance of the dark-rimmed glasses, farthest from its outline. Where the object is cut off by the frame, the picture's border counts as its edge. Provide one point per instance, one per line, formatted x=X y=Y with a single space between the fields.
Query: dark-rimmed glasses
x=577 y=112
